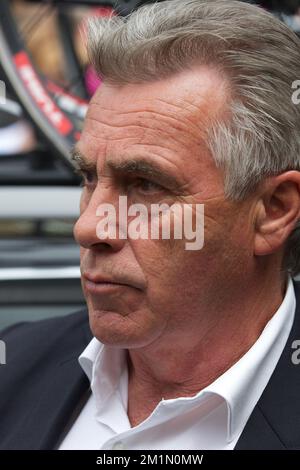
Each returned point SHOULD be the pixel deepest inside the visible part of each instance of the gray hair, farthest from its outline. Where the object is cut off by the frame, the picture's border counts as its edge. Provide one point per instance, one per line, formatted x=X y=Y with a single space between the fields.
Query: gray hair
x=259 y=55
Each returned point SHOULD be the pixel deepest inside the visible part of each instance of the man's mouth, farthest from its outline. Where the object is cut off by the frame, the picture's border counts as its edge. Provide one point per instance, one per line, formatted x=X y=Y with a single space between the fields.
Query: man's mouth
x=97 y=283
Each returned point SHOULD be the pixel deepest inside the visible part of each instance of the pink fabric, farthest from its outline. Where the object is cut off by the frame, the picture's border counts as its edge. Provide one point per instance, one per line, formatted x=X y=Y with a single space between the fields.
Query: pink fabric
x=92 y=81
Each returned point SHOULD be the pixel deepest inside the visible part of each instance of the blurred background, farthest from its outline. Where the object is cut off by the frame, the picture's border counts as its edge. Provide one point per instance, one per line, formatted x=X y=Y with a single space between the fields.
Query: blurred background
x=48 y=83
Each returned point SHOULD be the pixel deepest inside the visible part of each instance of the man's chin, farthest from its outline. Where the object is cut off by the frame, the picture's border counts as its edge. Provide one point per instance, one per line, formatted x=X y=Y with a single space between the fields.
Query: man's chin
x=117 y=330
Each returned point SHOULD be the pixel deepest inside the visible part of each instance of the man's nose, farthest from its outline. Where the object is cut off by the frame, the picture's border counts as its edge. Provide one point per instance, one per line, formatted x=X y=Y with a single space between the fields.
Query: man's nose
x=97 y=227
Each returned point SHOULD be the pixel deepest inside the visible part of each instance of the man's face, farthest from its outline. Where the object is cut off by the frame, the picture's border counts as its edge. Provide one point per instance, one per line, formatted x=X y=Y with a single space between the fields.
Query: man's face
x=147 y=291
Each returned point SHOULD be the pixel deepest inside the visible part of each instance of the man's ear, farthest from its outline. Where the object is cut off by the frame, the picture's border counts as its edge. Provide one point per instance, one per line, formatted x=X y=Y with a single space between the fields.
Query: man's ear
x=277 y=212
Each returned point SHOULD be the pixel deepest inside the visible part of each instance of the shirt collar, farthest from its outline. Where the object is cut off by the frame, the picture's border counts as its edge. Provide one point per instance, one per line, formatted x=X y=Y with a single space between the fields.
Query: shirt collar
x=240 y=386
x=104 y=367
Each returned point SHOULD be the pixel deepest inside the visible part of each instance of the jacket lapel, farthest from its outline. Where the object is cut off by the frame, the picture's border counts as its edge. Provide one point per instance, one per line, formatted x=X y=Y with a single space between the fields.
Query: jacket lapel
x=48 y=400
x=259 y=434
x=61 y=404
x=56 y=408
x=275 y=421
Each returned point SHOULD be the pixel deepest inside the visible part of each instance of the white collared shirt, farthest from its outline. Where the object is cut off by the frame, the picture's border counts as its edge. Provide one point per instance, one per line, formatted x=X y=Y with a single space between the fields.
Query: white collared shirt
x=212 y=419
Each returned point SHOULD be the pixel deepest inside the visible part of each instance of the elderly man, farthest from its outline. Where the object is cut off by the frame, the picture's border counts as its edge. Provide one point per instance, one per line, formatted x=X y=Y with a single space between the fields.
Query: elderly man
x=191 y=349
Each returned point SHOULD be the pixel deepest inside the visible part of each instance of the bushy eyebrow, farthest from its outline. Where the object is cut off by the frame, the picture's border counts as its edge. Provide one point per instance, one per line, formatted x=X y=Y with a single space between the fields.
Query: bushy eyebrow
x=143 y=168
x=80 y=162
x=138 y=167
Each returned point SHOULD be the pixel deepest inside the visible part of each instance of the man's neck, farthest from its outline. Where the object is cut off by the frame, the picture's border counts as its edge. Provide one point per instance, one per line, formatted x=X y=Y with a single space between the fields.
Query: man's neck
x=184 y=365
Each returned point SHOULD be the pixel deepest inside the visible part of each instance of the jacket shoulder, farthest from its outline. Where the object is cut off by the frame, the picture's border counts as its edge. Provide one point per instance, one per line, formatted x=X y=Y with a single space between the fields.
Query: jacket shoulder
x=51 y=340
x=41 y=383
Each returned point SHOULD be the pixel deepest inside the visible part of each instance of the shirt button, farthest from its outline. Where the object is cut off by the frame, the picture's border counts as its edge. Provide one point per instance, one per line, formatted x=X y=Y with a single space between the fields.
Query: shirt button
x=118 y=446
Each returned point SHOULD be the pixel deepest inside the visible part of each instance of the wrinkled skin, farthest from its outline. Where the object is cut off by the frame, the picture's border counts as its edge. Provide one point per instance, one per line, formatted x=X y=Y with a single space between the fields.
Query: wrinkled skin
x=185 y=316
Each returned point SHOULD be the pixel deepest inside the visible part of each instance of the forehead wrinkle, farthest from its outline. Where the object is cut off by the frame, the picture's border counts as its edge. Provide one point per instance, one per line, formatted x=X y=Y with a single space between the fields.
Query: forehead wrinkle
x=193 y=120
x=153 y=121
x=152 y=127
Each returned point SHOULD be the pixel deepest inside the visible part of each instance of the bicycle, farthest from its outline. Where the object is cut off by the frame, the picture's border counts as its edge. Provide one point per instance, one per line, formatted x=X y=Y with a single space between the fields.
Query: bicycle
x=56 y=110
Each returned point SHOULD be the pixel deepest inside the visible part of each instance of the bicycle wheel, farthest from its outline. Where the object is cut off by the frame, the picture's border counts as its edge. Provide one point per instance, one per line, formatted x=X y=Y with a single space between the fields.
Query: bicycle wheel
x=57 y=113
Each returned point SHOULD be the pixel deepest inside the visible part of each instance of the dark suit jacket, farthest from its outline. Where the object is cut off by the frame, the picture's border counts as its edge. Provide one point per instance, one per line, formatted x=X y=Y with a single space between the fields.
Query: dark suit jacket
x=43 y=388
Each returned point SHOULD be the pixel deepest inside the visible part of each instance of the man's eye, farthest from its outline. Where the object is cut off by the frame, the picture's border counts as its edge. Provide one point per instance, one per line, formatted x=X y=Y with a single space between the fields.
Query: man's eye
x=147 y=187
x=87 y=178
